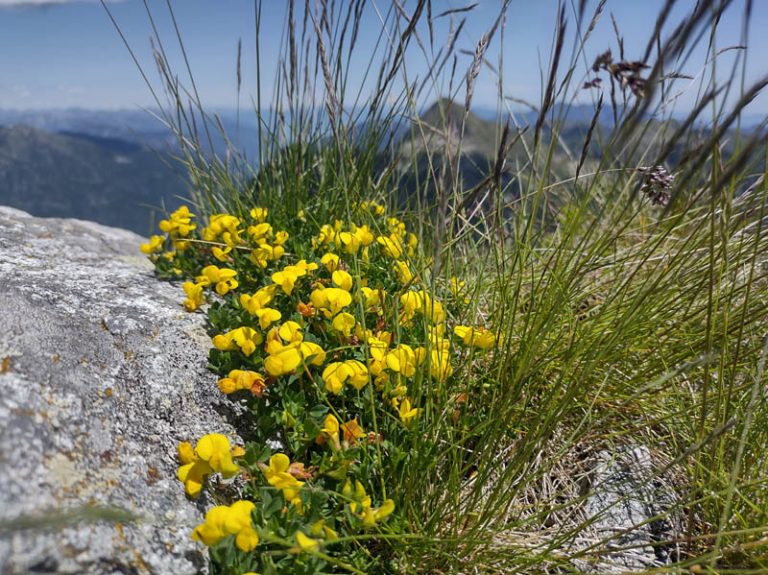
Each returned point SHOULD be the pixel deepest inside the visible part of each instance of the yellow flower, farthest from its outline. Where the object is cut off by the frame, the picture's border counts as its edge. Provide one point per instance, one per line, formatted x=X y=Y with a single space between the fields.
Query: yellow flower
x=378 y=346
x=224 y=227
x=344 y=323
x=212 y=531
x=320 y=529
x=312 y=353
x=476 y=337
x=278 y=475
x=259 y=300
x=262 y=255
x=212 y=454
x=155 y=244
x=286 y=279
x=186 y=453
x=289 y=275
x=243 y=338
x=439 y=361
x=242 y=379
x=330 y=261
x=351 y=371
x=195 y=297
x=371 y=297
x=360 y=504
x=259 y=214
x=359 y=374
x=305 y=266
x=431 y=308
x=334 y=376
x=391 y=246
x=457 y=289
x=267 y=316
x=403 y=272
x=348 y=242
x=290 y=332
x=413 y=242
x=284 y=361
x=327 y=233
x=193 y=471
x=260 y=232
x=239 y=523
x=214 y=448
x=223 y=278
x=222 y=521
x=373 y=207
x=343 y=280
x=402 y=360
x=221 y=254
x=179 y=224
x=406 y=412
x=330 y=300
x=434 y=311
x=364 y=235
x=373 y=516
x=306 y=543
x=410 y=302
x=331 y=428
x=396 y=227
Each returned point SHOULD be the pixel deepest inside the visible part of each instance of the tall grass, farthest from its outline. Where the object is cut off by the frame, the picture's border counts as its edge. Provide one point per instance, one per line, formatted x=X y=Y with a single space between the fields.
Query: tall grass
x=627 y=325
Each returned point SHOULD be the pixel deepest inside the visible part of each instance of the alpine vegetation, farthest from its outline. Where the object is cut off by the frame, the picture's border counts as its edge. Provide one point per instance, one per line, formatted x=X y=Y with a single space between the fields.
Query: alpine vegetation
x=532 y=344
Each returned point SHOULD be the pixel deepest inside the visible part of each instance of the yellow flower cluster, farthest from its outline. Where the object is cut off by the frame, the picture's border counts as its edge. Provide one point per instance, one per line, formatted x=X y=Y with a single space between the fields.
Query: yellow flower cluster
x=222 y=228
x=178 y=226
x=344 y=309
x=223 y=234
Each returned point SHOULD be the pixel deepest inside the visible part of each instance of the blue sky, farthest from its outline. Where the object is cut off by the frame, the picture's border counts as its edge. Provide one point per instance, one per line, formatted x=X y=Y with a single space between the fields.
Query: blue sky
x=65 y=53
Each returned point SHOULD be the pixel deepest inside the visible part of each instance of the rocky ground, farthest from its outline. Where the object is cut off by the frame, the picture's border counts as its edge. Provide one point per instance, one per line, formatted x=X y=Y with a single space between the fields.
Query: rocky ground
x=102 y=373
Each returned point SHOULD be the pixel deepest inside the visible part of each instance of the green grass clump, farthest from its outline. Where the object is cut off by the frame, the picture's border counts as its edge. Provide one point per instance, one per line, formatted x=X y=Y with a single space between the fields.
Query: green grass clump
x=571 y=304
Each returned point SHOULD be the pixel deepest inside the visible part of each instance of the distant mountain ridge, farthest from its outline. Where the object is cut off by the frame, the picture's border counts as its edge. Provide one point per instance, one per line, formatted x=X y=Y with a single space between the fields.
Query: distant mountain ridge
x=141 y=126
x=104 y=179
x=118 y=167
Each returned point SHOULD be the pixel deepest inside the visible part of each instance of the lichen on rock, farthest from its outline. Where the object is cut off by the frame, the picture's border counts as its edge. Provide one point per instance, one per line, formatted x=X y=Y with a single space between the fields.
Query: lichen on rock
x=103 y=374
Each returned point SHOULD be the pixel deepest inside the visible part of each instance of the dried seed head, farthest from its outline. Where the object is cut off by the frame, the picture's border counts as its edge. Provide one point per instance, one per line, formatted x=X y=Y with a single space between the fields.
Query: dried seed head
x=656 y=184
x=602 y=61
x=593 y=83
x=625 y=72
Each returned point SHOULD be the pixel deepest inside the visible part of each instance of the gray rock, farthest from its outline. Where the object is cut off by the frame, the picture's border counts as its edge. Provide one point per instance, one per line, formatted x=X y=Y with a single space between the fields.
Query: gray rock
x=103 y=374
x=633 y=512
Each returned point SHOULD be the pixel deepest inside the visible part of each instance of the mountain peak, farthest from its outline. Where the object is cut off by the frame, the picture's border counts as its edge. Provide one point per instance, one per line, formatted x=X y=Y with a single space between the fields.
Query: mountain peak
x=445 y=112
